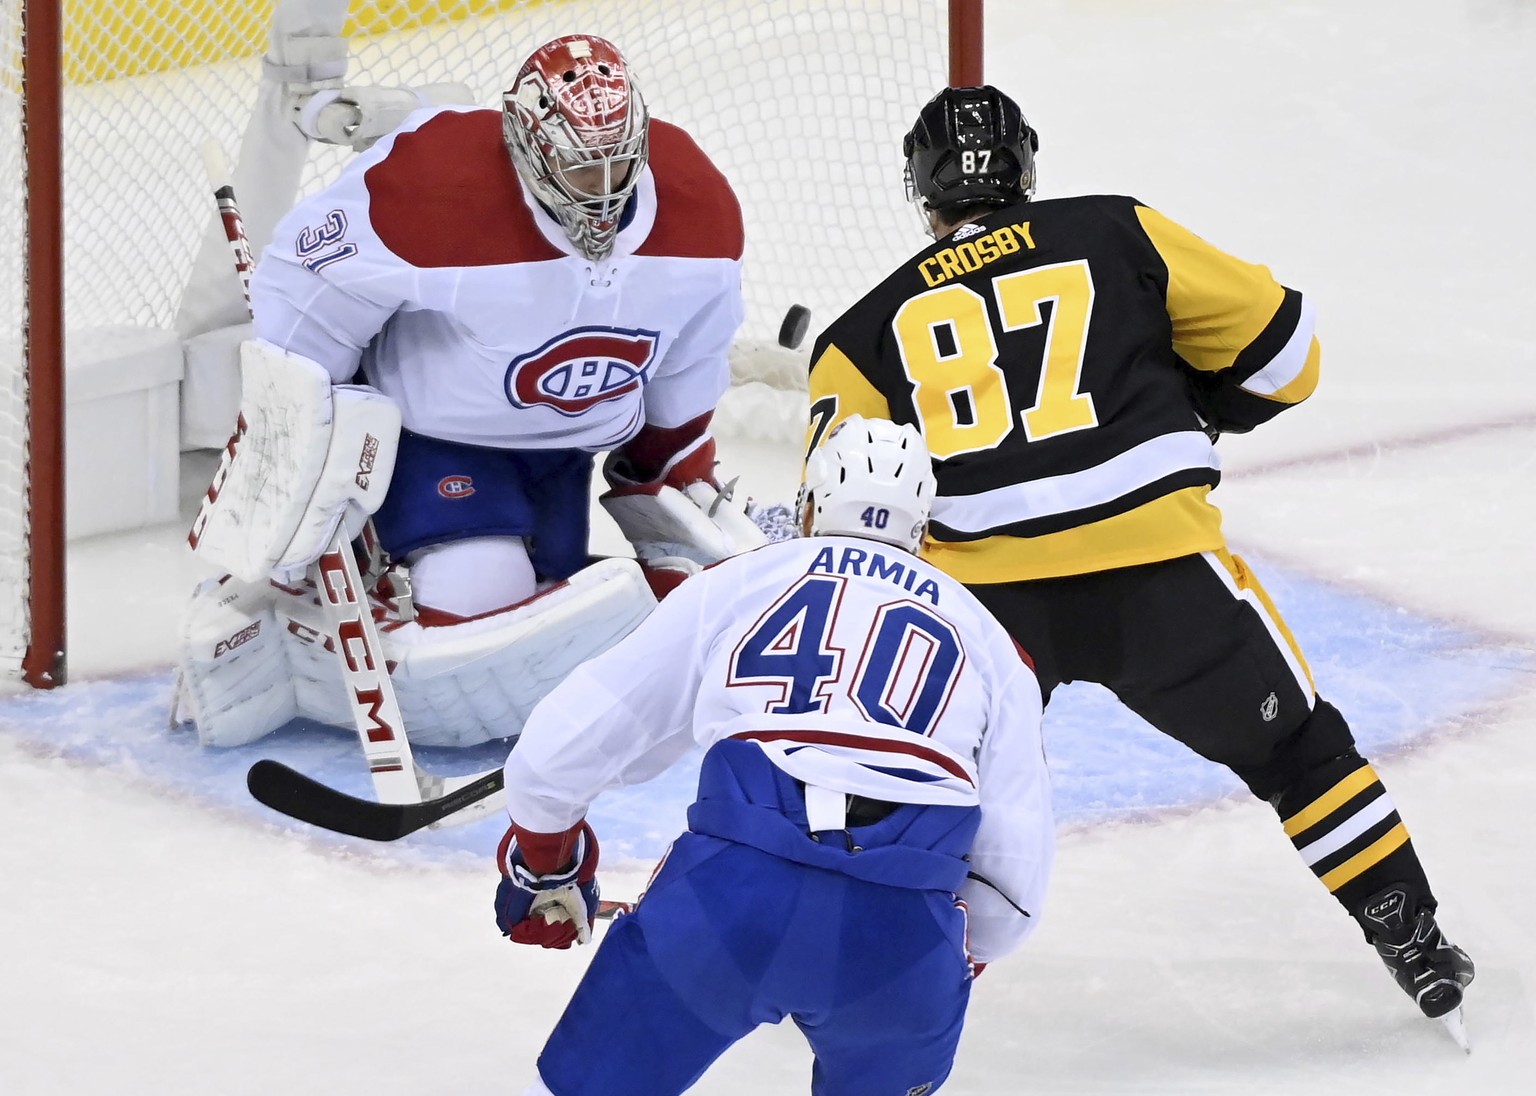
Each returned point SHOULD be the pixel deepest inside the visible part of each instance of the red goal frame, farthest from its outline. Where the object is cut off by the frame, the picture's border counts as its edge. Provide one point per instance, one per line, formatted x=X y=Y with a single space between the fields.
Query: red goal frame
x=42 y=336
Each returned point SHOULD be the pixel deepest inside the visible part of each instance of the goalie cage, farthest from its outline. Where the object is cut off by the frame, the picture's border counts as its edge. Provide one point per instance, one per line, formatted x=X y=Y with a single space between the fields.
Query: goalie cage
x=120 y=115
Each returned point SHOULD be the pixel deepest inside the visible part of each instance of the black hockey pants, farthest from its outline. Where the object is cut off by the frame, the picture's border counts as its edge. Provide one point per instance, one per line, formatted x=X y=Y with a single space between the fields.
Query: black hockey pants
x=1194 y=647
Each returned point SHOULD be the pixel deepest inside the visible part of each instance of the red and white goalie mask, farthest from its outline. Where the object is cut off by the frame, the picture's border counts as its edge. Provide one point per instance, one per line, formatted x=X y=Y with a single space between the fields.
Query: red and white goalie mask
x=578 y=133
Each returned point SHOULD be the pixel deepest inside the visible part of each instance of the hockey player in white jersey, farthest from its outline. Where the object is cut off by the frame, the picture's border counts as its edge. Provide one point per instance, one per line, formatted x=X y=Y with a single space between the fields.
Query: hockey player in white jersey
x=873 y=823
x=526 y=288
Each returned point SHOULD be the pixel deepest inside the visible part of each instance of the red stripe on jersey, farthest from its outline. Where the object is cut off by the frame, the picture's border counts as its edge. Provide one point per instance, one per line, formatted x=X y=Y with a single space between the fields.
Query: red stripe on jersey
x=859 y=742
x=697 y=215
x=1023 y=654
x=448 y=195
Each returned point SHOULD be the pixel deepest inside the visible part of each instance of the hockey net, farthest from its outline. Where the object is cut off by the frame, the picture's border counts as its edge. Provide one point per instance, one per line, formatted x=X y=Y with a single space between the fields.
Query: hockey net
x=802 y=103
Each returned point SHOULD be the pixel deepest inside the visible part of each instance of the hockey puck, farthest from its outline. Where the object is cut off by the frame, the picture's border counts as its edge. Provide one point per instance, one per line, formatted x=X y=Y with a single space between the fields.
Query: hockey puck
x=797 y=321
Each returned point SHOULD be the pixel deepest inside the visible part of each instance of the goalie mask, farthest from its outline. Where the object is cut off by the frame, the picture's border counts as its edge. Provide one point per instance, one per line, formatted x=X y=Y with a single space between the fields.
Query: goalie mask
x=870 y=478
x=969 y=147
x=578 y=133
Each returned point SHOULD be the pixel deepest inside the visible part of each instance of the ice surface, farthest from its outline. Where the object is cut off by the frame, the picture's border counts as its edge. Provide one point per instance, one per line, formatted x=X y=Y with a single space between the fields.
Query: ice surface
x=1377 y=154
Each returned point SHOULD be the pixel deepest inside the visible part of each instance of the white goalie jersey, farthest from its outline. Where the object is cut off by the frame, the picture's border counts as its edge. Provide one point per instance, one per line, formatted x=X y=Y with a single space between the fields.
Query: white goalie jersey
x=428 y=269
x=856 y=667
x=428 y=265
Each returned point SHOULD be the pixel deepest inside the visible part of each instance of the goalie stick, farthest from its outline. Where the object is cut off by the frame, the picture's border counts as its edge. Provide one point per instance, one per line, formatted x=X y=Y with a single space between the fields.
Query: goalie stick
x=370 y=693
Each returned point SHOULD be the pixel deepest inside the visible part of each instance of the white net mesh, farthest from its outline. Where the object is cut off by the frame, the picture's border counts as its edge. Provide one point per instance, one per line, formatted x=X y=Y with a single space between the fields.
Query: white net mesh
x=802 y=103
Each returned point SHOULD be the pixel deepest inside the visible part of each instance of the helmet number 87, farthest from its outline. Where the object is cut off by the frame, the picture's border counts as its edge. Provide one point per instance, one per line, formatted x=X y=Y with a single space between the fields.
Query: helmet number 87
x=949 y=352
x=974 y=161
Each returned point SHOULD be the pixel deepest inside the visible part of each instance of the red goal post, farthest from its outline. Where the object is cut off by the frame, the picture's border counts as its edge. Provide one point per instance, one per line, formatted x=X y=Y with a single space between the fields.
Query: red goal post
x=104 y=104
x=32 y=348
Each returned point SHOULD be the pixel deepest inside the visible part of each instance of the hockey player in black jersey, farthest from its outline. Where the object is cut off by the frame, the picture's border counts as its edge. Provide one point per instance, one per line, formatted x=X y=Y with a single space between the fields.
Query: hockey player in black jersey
x=1070 y=363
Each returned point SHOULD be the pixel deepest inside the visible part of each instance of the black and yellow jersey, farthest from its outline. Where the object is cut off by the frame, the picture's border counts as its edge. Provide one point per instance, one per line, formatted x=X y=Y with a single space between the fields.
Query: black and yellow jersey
x=1060 y=357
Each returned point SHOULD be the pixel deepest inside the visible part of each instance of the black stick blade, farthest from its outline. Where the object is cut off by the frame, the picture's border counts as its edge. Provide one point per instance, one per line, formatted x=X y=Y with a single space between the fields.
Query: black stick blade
x=290 y=792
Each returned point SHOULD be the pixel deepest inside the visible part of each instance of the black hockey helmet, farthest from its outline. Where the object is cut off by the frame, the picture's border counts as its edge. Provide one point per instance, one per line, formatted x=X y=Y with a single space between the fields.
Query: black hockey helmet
x=969 y=146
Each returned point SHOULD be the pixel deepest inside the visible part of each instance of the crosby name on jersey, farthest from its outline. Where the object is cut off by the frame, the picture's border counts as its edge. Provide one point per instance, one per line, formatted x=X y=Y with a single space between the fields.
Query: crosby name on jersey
x=1058 y=406
x=429 y=267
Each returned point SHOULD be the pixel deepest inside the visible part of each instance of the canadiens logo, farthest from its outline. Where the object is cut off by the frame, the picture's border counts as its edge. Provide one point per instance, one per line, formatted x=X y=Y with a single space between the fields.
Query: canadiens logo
x=455 y=487
x=580 y=369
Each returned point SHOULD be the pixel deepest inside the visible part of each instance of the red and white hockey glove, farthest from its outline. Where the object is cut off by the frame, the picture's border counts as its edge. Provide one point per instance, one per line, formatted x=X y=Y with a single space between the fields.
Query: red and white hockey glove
x=548 y=893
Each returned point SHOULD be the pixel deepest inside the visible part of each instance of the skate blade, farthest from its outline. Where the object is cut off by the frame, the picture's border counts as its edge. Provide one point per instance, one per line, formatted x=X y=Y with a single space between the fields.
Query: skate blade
x=1456 y=1026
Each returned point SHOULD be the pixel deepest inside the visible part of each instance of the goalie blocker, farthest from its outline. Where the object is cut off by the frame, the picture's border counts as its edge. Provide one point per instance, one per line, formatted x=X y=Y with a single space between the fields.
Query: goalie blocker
x=306 y=457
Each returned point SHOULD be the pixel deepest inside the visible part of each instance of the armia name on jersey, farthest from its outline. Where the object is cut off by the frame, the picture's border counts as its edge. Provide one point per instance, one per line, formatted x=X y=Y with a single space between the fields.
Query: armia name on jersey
x=857 y=561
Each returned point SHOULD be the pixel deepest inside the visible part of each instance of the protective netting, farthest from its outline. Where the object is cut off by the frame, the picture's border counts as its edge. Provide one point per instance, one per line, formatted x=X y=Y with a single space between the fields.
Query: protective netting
x=801 y=102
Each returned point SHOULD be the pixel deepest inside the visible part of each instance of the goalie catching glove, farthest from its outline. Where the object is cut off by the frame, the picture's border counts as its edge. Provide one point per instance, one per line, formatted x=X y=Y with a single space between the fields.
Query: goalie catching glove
x=548 y=892
x=681 y=519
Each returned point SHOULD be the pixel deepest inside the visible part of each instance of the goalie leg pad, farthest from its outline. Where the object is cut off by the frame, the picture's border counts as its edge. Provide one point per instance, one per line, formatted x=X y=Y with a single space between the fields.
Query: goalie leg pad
x=306 y=456
x=234 y=681
x=256 y=655
x=253 y=657
x=471 y=577
x=463 y=684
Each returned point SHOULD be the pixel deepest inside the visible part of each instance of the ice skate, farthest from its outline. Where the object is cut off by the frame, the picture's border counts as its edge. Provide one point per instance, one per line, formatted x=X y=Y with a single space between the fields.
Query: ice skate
x=1428 y=967
x=1431 y=970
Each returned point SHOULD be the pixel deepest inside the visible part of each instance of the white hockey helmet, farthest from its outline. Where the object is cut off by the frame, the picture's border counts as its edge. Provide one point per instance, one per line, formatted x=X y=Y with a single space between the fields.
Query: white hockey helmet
x=870 y=478
x=579 y=135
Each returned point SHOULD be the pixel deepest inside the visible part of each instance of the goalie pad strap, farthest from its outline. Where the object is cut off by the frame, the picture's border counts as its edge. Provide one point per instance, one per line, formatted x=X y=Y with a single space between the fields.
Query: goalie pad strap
x=304 y=72
x=307 y=60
